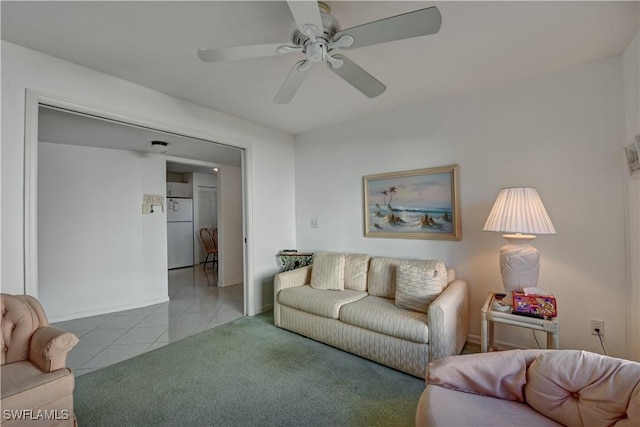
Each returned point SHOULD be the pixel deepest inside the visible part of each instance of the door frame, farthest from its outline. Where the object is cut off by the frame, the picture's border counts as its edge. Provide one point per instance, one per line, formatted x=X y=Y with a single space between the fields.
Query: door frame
x=33 y=101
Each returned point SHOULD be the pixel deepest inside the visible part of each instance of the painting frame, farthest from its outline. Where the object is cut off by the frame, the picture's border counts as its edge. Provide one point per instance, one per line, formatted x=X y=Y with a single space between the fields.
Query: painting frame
x=632 y=157
x=427 y=204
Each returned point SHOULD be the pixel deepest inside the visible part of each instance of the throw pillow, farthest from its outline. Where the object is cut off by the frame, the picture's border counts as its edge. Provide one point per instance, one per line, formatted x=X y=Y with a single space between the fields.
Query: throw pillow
x=328 y=271
x=417 y=287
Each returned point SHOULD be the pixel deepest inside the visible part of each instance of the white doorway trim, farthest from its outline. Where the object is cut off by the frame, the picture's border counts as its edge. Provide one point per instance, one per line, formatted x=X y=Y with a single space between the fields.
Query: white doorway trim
x=35 y=99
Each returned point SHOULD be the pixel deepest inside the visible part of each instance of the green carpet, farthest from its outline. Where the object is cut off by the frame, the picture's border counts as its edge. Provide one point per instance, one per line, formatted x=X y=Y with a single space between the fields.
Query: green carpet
x=246 y=373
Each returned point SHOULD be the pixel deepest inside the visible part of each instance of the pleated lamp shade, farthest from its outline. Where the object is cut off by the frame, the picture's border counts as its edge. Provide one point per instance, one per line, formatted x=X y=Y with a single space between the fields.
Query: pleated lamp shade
x=519 y=210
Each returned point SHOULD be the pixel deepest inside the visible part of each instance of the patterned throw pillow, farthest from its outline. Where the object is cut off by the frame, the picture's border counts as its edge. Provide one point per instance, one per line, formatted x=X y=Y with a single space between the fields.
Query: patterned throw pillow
x=417 y=287
x=328 y=271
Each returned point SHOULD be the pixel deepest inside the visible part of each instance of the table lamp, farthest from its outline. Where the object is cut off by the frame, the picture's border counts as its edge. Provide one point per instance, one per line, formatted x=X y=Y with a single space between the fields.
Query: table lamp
x=520 y=211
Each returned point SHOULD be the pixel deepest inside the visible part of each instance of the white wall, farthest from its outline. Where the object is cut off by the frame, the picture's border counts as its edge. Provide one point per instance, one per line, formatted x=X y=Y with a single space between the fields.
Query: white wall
x=26 y=69
x=560 y=133
x=631 y=78
x=97 y=252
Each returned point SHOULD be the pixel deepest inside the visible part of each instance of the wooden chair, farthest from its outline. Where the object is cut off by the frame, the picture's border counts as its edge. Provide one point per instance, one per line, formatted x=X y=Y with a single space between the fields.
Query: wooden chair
x=209 y=239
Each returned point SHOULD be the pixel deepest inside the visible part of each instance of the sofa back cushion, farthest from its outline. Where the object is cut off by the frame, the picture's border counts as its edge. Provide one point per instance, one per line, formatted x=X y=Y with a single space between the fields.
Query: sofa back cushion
x=356 y=268
x=417 y=287
x=328 y=271
x=382 y=274
x=579 y=388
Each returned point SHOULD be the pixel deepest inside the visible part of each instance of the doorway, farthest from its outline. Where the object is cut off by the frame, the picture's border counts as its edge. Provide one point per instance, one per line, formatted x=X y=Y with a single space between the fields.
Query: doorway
x=75 y=125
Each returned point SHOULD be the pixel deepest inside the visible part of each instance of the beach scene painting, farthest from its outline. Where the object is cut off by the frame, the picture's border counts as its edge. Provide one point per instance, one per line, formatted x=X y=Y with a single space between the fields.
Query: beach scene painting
x=415 y=204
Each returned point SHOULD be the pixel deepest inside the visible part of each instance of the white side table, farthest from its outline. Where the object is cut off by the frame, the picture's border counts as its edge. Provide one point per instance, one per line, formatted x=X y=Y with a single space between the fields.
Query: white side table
x=490 y=317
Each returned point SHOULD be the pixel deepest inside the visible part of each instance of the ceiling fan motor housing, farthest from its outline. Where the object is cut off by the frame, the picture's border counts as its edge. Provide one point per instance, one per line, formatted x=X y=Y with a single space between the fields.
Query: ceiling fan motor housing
x=316 y=47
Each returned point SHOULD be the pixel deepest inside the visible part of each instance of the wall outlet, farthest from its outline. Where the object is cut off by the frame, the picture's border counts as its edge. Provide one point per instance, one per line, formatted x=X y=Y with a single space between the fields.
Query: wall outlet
x=314 y=222
x=597 y=324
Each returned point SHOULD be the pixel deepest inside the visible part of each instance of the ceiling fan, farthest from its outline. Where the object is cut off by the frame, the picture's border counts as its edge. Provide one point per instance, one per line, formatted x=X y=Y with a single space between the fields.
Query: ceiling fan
x=319 y=37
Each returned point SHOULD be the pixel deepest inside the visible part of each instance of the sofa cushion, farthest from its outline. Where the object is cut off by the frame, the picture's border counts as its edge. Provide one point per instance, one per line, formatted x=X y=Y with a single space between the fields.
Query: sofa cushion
x=579 y=388
x=328 y=271
x=356 y=267
x=383 y=316
x=416 y=287
x=322 y=302
x=382 y=274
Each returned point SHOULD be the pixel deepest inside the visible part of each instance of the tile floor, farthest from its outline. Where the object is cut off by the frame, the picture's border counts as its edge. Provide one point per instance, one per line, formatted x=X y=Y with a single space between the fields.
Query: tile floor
x=195 y=305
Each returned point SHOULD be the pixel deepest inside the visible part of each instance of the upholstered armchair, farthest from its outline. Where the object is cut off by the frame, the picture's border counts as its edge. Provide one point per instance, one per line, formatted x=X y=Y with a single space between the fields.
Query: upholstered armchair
x=531 y=388
x=37 y=387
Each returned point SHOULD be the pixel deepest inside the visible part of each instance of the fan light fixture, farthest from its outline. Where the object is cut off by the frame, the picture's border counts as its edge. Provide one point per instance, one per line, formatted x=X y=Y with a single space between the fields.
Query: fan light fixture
x=159 y=146
x=520 y=211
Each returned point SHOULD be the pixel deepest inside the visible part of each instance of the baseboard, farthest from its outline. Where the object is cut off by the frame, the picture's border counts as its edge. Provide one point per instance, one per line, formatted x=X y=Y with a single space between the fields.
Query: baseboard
x=475 y=339
x=230 y=283
x=266 y=308
x=105 y=310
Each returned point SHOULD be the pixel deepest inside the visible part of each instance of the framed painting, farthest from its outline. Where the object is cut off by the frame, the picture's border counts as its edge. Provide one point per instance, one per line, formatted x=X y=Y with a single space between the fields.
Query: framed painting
x=415 y=204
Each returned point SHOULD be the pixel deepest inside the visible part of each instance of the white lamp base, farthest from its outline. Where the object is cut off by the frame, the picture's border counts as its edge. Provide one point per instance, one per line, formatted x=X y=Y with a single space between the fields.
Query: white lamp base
x=519 y=263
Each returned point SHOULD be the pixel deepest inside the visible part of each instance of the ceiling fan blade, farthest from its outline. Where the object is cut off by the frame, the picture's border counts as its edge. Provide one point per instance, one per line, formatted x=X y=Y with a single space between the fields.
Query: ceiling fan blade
x=357 y=77
x=292 y=82
x=306 y=12
x=412 y=24
x=239 y=52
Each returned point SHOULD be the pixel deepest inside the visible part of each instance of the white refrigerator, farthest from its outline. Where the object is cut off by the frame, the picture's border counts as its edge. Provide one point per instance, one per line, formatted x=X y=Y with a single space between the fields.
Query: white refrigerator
x=179 y=232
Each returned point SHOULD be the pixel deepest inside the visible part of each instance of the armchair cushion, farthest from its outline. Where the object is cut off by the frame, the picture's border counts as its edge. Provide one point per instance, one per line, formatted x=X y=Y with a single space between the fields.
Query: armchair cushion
x=18 y=324
x=575 y=387
x=21 y=378
x=477 y=373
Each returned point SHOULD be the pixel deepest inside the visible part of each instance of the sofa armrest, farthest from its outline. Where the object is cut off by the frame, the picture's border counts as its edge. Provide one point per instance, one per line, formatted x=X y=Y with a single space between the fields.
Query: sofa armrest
x=49 y=347
x=292 y=278
x=288 y=279
x=448 y=320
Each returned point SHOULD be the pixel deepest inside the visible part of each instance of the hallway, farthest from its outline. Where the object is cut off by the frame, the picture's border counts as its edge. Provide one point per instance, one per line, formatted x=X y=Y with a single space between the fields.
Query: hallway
x=195 y=305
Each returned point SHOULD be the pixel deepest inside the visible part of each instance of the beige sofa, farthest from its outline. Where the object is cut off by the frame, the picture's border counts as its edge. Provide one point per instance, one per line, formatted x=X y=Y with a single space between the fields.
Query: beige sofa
x=397 y=312
x=531 y=388
x=37 y=387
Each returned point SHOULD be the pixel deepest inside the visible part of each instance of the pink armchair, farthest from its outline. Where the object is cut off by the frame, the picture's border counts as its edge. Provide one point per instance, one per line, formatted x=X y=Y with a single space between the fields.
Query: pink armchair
x=531 y=388
x=36 y=386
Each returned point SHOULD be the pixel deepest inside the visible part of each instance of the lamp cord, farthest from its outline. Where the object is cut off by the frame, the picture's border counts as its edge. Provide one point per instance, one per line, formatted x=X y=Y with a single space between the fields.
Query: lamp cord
x=535 y=338
x=601 y=342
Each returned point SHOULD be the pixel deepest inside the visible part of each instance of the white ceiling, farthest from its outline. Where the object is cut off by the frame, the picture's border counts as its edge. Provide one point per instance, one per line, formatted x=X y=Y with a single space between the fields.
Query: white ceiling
x=480 y=44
